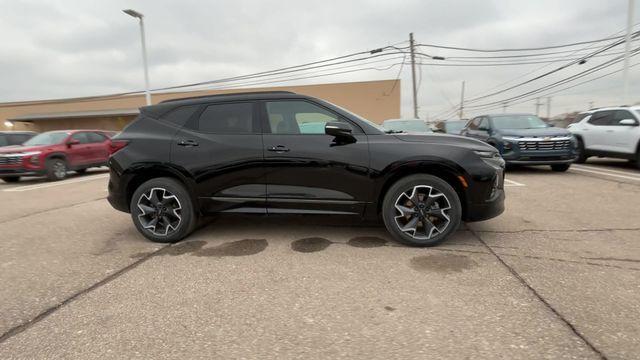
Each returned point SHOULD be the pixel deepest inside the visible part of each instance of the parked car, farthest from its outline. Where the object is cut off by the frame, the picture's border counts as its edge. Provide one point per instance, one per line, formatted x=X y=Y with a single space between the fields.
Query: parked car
x=53 y=153
x=12 y=138
x=453 y=126
x=524 y=139
x=610 y=132
x=415 y=126
x=250 y=153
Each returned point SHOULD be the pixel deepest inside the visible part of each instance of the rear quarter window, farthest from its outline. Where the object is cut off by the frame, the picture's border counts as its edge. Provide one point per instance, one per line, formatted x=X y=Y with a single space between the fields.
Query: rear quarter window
x=180 y=116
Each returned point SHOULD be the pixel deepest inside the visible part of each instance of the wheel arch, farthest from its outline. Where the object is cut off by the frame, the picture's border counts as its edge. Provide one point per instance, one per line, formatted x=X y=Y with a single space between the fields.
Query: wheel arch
x=141 y=174
x=449 y=172
x=56 y=155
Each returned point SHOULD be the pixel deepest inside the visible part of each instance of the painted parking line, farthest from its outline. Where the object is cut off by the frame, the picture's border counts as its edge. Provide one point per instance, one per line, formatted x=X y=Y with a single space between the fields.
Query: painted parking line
x=606 y=169
x=58 y=183
x=606 y=173
x=508 y=182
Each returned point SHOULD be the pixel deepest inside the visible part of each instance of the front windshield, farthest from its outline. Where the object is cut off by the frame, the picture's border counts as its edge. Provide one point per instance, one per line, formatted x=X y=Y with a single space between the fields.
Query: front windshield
x=407 y=126
x=48 y=138
x=518 y=122
x=454 y=127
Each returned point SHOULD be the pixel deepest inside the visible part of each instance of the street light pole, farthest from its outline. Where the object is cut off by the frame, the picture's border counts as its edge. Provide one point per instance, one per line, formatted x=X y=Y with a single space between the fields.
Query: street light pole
x=140 y=17
x=627 y=49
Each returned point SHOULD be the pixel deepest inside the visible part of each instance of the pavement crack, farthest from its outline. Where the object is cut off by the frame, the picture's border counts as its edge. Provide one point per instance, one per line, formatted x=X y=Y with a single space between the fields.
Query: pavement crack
x=44 y=314
x=524 y=283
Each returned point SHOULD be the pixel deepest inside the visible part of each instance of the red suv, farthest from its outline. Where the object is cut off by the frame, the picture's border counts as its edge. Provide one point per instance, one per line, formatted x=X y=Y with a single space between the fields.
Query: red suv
x=53 y=153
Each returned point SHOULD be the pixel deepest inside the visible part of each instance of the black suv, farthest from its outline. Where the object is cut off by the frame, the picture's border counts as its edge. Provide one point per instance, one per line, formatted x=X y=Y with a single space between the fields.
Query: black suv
x=524 y=139
x=285 y=153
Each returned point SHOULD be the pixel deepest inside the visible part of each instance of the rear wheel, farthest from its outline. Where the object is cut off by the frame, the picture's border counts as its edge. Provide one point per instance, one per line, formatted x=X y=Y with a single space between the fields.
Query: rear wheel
x=421 y=210
x=162 y=210
x=560 y=167
x=11 y=179
x=56 y=169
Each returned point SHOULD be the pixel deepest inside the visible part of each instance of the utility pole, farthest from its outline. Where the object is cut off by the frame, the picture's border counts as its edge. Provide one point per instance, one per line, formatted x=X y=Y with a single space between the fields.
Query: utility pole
x=413 y=76
x=548 y=107
x=627 y=49
x=537 y=104
x=590 y=105
x=461 y=112
x=504 y=107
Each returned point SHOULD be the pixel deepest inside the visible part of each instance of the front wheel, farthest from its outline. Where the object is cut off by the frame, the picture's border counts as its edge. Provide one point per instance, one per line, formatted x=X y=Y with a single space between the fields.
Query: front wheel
x=162 y=210
x=581 y=155
x=560 y=167
x=421 y=210
x=56 y=169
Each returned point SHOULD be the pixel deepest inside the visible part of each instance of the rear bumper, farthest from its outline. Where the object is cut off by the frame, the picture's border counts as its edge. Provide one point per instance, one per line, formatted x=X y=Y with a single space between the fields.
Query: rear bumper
x=486 y=210
x=117 y=196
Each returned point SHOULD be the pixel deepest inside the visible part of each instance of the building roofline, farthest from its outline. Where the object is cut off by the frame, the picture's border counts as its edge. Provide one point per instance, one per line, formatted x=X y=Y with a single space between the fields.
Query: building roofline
x=75 y=114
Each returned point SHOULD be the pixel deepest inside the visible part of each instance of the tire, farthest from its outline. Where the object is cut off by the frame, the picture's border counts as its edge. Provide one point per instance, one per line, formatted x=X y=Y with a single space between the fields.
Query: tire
x=81 y=171
x=560 y=167
x=56 y=169
x=400 y=193
x=581 y=156
x=176 y=218
x=11 y=179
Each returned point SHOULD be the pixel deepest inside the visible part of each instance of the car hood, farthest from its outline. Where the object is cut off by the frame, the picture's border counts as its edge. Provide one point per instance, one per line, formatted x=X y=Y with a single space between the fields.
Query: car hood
x=542 y=132
x=20 y=149
x=445 y=139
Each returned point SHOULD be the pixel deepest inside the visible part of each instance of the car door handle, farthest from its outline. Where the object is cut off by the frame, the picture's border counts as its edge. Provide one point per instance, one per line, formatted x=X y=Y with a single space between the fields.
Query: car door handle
x=278 y=149
x=188 y=143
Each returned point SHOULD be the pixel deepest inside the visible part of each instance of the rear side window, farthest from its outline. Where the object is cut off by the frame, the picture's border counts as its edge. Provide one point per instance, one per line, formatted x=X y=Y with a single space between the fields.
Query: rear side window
x=601 y=118
x=180 y=115
x=232 y=118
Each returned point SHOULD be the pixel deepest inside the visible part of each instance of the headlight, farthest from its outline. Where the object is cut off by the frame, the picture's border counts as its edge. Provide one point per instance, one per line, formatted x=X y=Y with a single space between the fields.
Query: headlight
x=486 y=154
x=491 y=157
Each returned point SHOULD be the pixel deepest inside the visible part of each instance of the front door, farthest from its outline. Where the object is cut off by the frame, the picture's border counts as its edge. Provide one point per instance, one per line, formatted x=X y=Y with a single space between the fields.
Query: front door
x=221 y=148
x=80 y=152
x=308 y=171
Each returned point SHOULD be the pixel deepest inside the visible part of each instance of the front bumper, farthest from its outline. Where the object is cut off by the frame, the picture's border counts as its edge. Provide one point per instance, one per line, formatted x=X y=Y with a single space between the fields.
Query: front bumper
x=486 y=210
x=16 y=171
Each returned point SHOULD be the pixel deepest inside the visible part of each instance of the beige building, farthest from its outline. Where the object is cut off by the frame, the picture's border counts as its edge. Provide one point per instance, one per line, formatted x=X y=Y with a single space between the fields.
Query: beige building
x=374 y=100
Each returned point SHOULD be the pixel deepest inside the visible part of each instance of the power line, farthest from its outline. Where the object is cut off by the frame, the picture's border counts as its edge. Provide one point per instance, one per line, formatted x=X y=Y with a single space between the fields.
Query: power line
x=520 y=49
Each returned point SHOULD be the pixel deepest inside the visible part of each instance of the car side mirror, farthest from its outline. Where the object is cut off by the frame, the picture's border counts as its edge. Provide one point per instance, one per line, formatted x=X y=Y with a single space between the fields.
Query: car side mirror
x=628 y=122
x=72 y=142
x=338 y=129
x=482 y=128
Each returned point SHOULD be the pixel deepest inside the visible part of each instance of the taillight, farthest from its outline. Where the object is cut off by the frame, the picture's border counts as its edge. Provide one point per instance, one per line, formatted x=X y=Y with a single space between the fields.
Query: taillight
x=117 y=145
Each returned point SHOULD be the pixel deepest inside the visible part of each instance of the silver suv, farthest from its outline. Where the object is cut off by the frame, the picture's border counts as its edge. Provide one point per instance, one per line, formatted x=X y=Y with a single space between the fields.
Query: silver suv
x=608 y=132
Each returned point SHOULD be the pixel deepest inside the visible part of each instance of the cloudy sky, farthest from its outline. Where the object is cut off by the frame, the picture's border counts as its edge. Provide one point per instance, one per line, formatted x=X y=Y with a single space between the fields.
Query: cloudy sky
x=55 y=49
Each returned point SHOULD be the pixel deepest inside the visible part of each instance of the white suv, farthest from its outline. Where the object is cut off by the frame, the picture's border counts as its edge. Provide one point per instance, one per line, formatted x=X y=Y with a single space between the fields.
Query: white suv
x=608 y=132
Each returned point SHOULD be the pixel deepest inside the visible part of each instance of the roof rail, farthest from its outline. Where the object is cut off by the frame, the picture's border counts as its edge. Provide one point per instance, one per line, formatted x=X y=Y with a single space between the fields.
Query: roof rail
x=227 y=94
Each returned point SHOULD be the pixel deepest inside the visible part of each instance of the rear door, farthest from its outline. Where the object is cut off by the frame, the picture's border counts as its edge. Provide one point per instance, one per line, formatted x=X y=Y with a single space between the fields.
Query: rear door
x=220 y=147
x=99 y=144
x=308 y=171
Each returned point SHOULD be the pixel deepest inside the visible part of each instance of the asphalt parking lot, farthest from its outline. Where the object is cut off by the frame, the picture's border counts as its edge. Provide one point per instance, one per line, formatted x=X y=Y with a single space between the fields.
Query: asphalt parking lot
x=556 y=276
